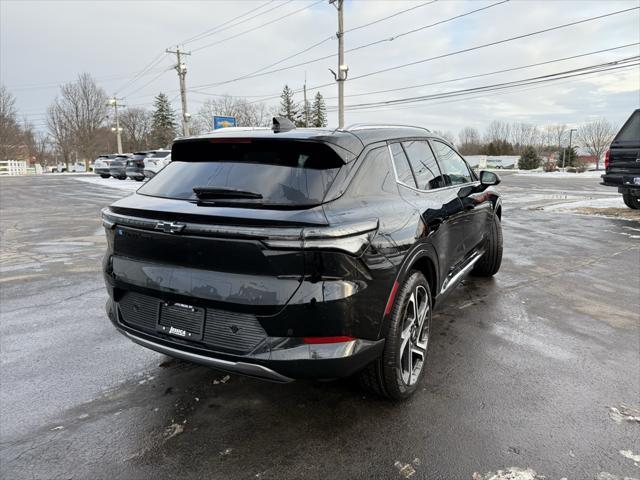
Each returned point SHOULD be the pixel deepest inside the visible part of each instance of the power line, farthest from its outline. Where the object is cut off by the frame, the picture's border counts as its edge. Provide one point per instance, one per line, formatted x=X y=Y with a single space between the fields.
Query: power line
x=360 y=47
x=258 y=26
x=457 y=52
x=498 y=42
x=615 y=65
x=156 y=60
x=217 y=28
x=389 y=16
x=152 y=80
x=495 y=72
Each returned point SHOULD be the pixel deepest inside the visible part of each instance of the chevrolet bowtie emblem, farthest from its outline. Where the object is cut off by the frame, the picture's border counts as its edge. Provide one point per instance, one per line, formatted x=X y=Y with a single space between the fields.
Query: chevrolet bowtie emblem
x=170 y=227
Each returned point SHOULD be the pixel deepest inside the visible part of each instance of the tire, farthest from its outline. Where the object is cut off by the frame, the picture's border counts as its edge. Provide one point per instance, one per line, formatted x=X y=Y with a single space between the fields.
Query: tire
x=122 y=178
x=104 y=175
x=138 y=179
x=391 y=375
x=631 y=201
x=490 y=262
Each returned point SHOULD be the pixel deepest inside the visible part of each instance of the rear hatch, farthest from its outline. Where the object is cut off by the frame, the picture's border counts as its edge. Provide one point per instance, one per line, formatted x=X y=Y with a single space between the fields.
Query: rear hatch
x=624 y=154
x=202 y=231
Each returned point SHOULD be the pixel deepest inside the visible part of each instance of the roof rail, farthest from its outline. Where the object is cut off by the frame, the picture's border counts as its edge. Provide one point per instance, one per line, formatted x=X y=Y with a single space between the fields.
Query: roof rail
x=361 y=126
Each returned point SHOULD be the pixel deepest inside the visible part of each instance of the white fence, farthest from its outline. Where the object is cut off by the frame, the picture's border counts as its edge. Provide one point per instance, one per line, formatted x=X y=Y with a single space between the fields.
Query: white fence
x=492 y=161
x=13 y=167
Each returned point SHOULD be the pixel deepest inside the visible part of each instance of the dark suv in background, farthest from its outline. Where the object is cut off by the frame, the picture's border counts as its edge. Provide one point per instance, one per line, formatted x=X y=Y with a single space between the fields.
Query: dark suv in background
x=135 y=165
x=310 y=253
x=622 y=162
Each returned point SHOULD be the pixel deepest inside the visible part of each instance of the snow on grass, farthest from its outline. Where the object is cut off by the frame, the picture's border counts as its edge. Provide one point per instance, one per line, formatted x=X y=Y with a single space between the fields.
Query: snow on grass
x=563 y=175
x=607 y=202
x=129 y=185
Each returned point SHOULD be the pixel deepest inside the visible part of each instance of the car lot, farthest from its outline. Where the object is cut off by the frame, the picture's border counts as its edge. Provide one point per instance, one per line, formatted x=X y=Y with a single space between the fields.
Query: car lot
x=523 y=370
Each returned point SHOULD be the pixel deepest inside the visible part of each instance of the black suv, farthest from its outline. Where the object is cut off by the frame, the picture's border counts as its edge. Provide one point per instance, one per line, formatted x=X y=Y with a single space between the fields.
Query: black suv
x=135 y=166
x=310 y=253
x=622 y=162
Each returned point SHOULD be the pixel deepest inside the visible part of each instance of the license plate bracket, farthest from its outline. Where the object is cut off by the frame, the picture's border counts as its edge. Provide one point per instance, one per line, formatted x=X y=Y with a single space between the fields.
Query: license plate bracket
x=181 y=320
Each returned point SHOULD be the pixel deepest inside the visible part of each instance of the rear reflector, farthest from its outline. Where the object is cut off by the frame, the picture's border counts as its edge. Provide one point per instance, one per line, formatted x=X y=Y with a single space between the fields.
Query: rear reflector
x=392 y=297
x=318 y=340
x=607 y=158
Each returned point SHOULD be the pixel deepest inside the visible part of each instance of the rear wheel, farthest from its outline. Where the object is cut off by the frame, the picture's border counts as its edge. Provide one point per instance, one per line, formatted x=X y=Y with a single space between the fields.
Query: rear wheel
x=105 y=175
x=397 y=373
x=631 y=201
x=490 y=262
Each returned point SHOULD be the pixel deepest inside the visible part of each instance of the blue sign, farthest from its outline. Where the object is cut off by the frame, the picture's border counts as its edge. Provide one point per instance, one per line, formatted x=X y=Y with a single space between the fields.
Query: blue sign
x=223 y=122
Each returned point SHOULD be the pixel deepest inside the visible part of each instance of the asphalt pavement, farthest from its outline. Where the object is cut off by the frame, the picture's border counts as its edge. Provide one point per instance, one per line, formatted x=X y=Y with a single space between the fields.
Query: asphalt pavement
x=536 y=370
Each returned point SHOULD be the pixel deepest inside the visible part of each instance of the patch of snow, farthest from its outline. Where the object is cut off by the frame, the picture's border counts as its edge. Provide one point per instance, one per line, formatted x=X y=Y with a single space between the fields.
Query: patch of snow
x=624 y=413
x=129 y=185
x=630 y=455
x=511 y=473
x=608 y=202
x=405 y=469
x=173 y=430
x=563 y=175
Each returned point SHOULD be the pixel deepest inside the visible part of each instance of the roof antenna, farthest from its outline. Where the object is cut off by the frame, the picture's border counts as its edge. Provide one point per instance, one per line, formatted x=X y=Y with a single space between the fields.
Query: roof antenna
x=282 y=124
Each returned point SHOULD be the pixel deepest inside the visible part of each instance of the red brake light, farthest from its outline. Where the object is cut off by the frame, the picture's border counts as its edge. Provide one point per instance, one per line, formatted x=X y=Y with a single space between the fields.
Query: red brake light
x=607 y=156
x=319 y=340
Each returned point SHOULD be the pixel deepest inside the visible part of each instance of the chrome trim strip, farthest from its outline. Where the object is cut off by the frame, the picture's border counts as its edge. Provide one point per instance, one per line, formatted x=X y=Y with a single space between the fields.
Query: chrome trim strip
x=452 y=281
x=243 y=368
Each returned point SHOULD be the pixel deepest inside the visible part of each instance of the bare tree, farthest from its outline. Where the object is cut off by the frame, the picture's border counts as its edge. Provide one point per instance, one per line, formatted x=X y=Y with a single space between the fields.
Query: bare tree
x=11 y=138
x=523 y=135
x=448 y=136
x=61 y=130
x=596 y=136
x=498 y=131
x=559 y=133
x=83 y=106
x=136 y=126
x=247 y=114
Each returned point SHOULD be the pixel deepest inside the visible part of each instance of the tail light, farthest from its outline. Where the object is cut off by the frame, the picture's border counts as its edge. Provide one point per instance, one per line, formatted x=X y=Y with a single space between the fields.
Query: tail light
x=607 y=157
x=324 y=340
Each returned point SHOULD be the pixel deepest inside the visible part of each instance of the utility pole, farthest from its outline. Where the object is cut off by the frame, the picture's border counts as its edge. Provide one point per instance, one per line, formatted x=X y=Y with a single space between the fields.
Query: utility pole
x=113 y=101
x=343 y=69
x=181 y=68
x=570 y=134
x=306 y=105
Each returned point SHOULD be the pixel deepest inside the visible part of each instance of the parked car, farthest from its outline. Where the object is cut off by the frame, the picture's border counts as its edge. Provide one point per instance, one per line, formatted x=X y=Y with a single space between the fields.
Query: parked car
x=156 y=162
x=310 y=253
x=101 y=165
x=135 y=166
x=118 y=167
x=622 y=162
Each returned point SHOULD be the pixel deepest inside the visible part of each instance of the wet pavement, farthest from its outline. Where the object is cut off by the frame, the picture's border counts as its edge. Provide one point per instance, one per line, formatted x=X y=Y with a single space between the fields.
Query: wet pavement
x=533 y=373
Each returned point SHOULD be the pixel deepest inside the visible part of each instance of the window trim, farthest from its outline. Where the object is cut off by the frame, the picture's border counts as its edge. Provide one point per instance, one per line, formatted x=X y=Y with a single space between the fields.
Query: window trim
x=428 y=139
x=472 y=174
x=393 y=162
x=435 y=158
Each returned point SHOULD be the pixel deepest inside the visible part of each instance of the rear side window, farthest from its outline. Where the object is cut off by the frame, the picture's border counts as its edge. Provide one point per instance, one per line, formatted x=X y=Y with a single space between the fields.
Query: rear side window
x=424 y=165
x=630 y=132
x=401 y=163
x=375 y=177
x=452 y=164
x=160 y=154
x=282 y=173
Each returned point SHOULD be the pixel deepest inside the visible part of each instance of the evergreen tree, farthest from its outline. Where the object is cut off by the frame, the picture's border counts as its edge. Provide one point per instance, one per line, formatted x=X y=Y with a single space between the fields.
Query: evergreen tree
x=164 y=125
x=288 y=107
x=570 y=158
x=529 y=159
x=318 y=112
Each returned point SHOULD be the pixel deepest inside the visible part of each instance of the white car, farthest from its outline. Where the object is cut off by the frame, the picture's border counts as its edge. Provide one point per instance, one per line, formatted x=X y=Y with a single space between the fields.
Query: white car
x=156 y=162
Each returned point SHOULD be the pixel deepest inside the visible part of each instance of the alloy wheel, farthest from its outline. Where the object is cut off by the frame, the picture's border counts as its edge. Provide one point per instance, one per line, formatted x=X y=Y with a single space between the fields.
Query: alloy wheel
x=415 y=335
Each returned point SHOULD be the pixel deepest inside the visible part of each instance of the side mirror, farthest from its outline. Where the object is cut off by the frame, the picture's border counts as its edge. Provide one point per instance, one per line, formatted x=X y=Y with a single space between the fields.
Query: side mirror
x=489 y=178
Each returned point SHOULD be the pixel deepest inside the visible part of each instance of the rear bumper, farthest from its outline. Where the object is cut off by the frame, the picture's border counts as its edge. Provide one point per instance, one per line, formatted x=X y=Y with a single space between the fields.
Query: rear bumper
x=135 y=173
x=102 y=171
x=278 y=359
x=624 y=182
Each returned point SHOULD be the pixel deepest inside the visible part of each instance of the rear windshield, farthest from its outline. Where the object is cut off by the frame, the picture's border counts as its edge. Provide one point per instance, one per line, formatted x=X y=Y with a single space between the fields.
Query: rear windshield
x=630 y=132
x=283 y=173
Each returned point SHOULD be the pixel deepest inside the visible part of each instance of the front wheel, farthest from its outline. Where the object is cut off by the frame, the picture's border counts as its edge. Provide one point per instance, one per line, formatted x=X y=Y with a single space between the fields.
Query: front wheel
x=490 y=262
x=631 y=201
x=397 y=373
x=104 y=175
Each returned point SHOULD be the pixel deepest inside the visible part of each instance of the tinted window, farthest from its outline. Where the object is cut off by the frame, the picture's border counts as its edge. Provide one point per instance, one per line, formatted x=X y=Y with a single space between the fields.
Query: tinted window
x=424 y=165
x=284 y=173
x=402 y=165
x=375 y=177
x=630 y=132
x=452 y=164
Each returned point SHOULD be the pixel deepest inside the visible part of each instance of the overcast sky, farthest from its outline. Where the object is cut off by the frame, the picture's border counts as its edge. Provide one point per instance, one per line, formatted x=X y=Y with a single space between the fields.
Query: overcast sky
x=46 y=43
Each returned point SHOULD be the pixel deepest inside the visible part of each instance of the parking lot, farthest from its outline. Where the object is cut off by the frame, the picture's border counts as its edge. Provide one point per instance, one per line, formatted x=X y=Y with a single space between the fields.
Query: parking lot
x=534 y=370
